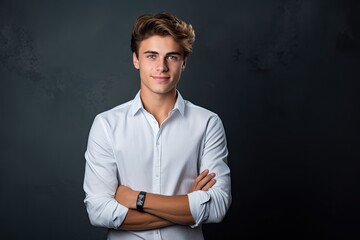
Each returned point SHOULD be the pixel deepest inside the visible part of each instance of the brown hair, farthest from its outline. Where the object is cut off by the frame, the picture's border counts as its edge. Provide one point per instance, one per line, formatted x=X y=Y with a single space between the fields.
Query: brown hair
x=162 y=24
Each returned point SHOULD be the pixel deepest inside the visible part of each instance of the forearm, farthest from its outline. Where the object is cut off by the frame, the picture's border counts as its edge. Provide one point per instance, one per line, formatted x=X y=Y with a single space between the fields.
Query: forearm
x=136 y=220
x=175 y=209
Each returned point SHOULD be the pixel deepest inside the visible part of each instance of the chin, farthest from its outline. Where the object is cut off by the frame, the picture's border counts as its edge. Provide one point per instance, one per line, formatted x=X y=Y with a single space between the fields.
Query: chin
x=163 y=91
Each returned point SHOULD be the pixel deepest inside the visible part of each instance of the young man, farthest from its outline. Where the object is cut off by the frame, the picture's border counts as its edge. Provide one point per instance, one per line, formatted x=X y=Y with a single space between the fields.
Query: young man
x=156 y=166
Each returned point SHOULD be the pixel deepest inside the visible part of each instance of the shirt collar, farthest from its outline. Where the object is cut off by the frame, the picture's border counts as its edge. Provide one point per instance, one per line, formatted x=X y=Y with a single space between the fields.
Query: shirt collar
x=180 y=104
x=137 y=104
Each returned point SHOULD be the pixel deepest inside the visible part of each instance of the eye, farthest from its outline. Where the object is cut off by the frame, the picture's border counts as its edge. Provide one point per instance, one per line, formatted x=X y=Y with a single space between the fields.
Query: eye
x=173 y=57
x=151 y=56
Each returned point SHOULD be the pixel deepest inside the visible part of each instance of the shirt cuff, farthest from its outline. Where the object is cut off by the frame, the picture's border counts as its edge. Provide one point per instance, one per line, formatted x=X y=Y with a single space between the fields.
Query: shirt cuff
x=198 y=206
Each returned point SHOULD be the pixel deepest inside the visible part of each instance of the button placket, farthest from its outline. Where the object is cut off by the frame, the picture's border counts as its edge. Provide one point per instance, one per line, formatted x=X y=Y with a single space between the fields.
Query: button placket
x=157 y=160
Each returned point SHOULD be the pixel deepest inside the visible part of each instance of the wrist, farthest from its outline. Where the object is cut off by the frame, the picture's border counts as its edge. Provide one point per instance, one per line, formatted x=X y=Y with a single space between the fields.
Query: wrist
x=140 y=201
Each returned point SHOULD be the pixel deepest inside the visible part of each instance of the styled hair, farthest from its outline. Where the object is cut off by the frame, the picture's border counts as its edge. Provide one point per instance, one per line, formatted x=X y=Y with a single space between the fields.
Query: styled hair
x=162 y=24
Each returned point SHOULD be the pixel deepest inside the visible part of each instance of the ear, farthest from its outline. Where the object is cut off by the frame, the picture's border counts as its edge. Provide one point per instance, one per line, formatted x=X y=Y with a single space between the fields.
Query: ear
x=135 y=61
x=184 y=64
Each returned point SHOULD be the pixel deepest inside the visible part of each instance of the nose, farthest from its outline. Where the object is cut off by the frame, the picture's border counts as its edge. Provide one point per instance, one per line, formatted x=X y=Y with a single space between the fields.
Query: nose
x=162 y=65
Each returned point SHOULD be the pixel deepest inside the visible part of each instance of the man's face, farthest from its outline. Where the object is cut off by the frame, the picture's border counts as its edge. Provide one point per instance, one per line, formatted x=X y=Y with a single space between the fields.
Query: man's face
x=160 y=63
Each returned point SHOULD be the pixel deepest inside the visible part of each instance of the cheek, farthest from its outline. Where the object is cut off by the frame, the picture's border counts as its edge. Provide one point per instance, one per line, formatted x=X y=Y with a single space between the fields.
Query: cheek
x=176 y=67
x=177 y=76
x=144 y=67
x=178 y=70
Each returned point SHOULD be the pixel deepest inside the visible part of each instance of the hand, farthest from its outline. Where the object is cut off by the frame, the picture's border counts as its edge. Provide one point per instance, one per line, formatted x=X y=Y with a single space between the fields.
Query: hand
x=126 y=196
x=204 y=181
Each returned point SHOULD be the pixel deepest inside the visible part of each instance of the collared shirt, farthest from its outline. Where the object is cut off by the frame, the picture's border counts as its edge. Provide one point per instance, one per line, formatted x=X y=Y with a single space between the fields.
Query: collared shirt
x=127 y=146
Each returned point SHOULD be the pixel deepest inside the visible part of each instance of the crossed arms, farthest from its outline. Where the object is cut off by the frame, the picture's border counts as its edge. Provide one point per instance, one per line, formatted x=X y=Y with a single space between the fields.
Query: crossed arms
x=160 y=210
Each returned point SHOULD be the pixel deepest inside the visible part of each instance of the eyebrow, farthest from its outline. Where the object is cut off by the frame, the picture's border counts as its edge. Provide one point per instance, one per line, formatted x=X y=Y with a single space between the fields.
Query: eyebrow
x=169 y=53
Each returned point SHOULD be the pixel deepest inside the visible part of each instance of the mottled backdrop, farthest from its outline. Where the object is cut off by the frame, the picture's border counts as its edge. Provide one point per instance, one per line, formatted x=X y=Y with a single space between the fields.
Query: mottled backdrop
x=283 y=76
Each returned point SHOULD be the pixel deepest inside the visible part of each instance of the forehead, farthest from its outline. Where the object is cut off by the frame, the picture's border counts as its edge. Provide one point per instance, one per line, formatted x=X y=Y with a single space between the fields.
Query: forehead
x=160 y=44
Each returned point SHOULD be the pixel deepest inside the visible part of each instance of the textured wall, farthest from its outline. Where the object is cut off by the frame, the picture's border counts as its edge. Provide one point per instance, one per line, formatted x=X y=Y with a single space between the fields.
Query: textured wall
x=283 y=76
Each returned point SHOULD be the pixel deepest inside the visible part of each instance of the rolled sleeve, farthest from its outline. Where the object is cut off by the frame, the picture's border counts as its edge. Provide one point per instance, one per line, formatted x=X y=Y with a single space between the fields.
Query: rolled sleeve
x=105 y=212
x=198 y=206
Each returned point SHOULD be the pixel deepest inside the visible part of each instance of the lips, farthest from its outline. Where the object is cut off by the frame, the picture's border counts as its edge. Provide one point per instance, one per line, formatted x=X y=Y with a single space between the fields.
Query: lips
x=160 y=79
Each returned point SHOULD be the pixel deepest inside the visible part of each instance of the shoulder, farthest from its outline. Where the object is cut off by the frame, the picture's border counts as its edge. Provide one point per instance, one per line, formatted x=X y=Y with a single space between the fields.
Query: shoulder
x=201 y=116
x=194 y=110
x=115 y=114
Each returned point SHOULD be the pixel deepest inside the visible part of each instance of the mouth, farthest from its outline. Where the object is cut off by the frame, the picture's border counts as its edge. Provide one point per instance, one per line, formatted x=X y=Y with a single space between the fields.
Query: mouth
x=160 y=79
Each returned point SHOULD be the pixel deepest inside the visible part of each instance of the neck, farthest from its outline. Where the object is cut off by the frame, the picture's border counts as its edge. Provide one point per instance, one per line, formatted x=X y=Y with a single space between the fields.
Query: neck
x=159 y=105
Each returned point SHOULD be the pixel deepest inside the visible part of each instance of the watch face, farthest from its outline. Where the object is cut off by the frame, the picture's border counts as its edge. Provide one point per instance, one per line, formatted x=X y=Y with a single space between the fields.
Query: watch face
x=140 y=200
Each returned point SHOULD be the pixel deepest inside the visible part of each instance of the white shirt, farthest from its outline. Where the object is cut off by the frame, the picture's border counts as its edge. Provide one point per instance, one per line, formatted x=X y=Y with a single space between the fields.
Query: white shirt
x=127 y=146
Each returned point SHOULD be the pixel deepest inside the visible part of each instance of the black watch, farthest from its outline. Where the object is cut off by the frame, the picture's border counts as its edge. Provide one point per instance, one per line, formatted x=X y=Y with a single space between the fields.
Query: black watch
x=140 y=201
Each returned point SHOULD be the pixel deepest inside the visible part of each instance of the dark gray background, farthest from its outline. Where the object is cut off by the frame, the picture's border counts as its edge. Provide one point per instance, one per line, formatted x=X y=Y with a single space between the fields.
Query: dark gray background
x=282 y=75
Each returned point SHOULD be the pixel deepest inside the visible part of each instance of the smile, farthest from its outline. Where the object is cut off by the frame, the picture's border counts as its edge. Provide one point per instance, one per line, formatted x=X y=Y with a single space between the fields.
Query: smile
x=160 y=79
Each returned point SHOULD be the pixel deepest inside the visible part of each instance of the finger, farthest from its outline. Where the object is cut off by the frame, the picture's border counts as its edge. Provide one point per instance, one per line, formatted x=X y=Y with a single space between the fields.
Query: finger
x=209 y=184
x=201 y=176
x=205 y=180
x=195 y=185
